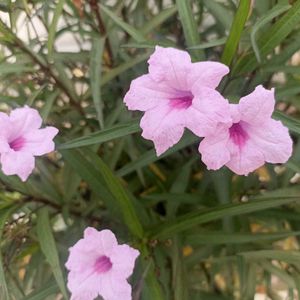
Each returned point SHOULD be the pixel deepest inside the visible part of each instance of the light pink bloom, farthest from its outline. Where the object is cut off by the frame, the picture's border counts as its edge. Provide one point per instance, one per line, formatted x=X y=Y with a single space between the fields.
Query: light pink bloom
x=21 y=139
x=99 y=266
x=252 y=139
x=177 y=94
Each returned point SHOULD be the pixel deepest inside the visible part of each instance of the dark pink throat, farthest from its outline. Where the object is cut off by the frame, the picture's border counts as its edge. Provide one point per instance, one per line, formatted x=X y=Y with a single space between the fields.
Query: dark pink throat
x=183 y=101
x=103 y=264
x=238 y=134
x=17 y=144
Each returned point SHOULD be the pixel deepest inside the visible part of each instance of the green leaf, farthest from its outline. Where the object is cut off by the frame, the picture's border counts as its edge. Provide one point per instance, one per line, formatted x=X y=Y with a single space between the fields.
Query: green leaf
x=43 y=293
x=269 y=16
x=281 y=255
x=53 y=26
x=135 y=34
x=210 y=44
x=216 y=238
x=49 y=249
x=291 y=123
x=149 y=44
x=196 y=218
x=189 y=25
x=7 y=69
x=280 y=273
x=46 y=109
x=158 y=19
x=4 y=215
x=87 y=171
x=93 y=170
x=236 y=30
x=221 y=13
x=120 y=195
x=150 y=156
x=270 y=39
x=104 y=135
x=95 y=73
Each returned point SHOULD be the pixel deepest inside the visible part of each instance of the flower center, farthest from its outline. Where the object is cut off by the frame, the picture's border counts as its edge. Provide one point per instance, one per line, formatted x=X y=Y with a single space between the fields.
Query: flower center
x=183 y=101
x=238 y=134
x=17 y=144
x=103 y=264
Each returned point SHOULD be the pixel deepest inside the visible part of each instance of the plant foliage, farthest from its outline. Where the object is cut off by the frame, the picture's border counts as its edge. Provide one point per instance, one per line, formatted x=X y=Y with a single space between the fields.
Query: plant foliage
x=202 y=234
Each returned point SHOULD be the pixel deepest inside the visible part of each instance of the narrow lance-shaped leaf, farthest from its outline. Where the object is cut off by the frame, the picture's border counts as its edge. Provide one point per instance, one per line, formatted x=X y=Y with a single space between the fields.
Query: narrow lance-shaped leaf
x=158 y=19
x=236 y=30
x=95 y=73
x=221 y=13
x=274 y=12
x=49 y=249
x=196 y=218
x=122 y=198
x=270 y=39
x=101 y=136
x=135 y=34
x=210 y=44
x=216 y=238
x=4 y=215
x=150 y=156
x=189 y=25
x=292 y=123
x=53 y=26
x=43 y=293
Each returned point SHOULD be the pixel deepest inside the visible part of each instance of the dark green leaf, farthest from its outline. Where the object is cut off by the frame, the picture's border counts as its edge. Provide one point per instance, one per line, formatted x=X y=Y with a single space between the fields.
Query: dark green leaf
x=49 y=249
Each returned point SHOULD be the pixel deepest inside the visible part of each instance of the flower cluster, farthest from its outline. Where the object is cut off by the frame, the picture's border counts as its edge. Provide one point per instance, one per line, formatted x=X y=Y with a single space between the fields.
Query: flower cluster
x=99 y=266
x=178 y=94
x=21 y=139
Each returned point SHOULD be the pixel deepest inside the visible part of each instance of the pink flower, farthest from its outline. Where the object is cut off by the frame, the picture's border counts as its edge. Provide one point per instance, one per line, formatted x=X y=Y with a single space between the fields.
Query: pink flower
x=99 y=266
x=21 y=139
x=177 y=94
x=252 y=139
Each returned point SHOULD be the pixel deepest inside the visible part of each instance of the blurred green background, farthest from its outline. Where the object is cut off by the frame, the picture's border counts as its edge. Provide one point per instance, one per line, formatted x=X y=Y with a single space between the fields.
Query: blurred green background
x=203 y=235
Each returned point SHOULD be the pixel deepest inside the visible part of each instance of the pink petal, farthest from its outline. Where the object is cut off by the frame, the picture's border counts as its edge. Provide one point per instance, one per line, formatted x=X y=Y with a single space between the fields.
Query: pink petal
x=214 y=151
x=84 y=285
x=246 y=159
x=39 y=141
x=170 y=65
x=123 y=259
x=235 y=113
x=5 y=126
x=4 y=145
x=25 y=119
x=82 y=257
x=17 y=163
x=114 y=288
x=258 y=106
x=164 y=126
x=145 y=93
x=208 y=109
x=104 y=241
x=274 y=141
x=207 y=73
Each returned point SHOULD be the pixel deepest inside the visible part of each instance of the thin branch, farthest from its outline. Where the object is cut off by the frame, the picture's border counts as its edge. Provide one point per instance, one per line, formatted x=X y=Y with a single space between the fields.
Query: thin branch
x=42 y=64
x=94 y=7
x=59 y=208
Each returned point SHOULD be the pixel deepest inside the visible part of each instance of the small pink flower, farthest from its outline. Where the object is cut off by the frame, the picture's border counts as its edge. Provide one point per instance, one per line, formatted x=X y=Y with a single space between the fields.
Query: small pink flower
x=252 y=139
x=99 y=266
x=21 y=139
x=177 y=94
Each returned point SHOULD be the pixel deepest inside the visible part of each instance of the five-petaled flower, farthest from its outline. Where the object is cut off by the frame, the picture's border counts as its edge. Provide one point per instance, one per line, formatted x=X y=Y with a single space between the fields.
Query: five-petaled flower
x=251 y=139
x=21 y=139
x=100 y=266
x=178 y=94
